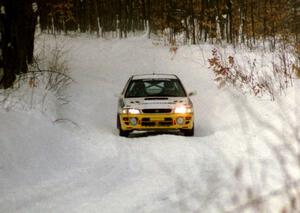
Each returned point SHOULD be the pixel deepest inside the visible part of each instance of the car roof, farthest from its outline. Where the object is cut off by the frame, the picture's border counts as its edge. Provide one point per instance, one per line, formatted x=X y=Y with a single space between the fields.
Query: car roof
x=154 y=76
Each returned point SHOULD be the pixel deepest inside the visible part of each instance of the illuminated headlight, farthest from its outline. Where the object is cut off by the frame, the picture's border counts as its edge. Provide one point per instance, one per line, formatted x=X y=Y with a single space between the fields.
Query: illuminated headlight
x=133 y=111
x=180 y=120
x=183 y=110
x=130 y=111
x=133 y=121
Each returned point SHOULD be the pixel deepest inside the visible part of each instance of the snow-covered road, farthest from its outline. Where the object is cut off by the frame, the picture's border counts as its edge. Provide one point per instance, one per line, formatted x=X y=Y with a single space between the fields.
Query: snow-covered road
x=80 y=164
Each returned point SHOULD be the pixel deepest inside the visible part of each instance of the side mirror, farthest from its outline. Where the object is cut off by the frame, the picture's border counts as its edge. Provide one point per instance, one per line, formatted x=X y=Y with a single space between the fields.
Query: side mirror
x=192 y=93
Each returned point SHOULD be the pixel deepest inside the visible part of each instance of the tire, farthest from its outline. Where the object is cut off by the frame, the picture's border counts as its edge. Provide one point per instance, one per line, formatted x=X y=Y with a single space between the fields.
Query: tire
x=122 y=133
x=188 y=132
x=118 y=122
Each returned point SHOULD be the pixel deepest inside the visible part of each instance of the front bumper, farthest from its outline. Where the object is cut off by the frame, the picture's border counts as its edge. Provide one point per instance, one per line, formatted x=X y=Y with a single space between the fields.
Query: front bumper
x=156 y=121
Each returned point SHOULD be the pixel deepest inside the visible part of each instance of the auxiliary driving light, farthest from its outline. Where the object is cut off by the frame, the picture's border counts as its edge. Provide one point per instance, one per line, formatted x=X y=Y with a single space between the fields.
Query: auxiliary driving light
x=133 y=121
x=180 y=120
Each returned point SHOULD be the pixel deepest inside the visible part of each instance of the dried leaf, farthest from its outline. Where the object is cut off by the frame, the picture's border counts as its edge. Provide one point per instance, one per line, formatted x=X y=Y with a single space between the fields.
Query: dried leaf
x=217 y=79
x=222 y=84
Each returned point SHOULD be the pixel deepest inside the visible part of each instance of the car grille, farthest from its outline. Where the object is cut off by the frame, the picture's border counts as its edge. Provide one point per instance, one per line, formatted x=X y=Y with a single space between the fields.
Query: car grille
x=166 y=122
x=157 y=110
x=158 y=98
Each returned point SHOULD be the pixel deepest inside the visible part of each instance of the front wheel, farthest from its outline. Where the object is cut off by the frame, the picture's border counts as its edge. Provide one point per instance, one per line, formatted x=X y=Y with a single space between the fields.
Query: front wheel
x=188 y=132
x=122 y=133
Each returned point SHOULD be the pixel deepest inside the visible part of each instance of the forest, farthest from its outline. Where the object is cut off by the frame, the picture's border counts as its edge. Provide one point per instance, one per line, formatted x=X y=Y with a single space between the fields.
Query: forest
x=232 y=21
x=64 y=65
x=215 y=21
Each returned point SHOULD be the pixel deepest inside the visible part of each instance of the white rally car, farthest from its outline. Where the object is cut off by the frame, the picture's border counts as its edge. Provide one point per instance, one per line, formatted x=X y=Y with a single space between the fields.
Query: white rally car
x=155 y=102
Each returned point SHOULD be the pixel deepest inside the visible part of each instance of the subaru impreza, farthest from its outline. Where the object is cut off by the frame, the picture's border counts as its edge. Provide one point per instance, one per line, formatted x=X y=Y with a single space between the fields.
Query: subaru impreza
x=155 y=102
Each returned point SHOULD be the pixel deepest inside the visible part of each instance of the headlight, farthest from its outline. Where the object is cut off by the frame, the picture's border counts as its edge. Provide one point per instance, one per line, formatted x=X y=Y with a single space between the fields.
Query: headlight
x=183 y=110
x=130 y=111
x=133 y=111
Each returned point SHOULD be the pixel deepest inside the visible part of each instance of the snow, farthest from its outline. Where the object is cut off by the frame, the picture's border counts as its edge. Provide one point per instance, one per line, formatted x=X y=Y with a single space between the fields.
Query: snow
x=69 y=158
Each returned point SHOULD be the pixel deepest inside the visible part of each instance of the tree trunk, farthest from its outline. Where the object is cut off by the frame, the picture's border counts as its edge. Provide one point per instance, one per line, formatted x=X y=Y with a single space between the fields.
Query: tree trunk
x=193 y=22
x=148 y=18
x=229 y=21
x=98 y=27
x=252 y=22
x=17 y=36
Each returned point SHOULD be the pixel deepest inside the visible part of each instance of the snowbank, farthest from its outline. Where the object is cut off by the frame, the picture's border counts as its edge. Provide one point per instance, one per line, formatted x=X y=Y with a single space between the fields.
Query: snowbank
x=71 y=159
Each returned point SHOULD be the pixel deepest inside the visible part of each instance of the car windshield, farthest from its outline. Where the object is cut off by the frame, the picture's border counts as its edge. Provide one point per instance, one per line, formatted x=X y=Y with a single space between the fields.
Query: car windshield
x=154 y=88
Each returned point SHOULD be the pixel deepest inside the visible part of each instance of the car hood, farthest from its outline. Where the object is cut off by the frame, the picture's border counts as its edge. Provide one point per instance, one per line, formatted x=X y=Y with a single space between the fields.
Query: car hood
x=156 y=102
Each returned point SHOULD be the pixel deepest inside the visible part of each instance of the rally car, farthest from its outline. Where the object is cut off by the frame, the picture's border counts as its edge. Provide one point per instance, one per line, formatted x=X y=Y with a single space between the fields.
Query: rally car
x=155 y=102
